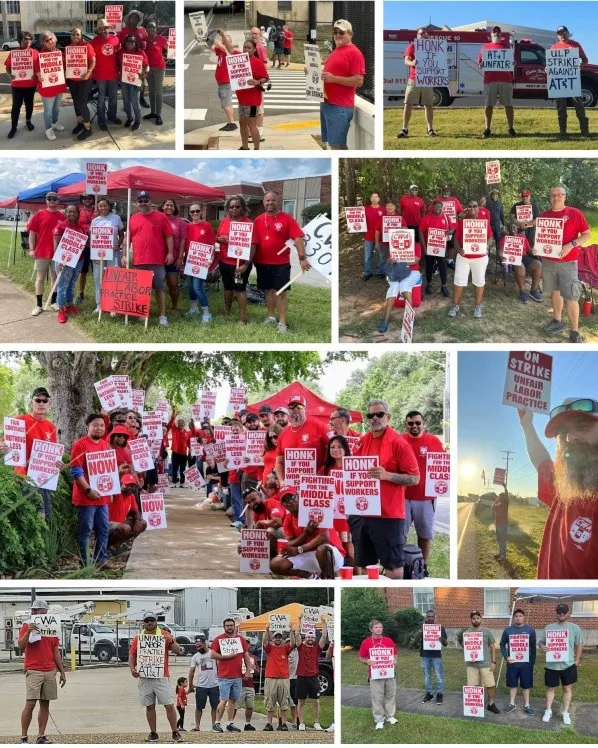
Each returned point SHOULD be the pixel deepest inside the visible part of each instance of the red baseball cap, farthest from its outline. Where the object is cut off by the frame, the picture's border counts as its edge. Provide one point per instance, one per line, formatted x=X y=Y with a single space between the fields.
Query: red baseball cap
x=564 y=416
x=120 y=430
x=297 y=400
x=287 y=491
x=128 y=480
x=526 y=193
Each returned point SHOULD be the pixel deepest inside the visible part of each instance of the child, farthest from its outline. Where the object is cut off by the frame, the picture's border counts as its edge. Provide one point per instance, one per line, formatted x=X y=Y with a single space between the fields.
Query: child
x=181 y=701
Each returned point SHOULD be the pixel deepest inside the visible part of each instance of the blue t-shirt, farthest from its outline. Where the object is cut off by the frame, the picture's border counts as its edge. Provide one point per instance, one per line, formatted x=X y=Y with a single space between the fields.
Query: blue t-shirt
x=525 y=629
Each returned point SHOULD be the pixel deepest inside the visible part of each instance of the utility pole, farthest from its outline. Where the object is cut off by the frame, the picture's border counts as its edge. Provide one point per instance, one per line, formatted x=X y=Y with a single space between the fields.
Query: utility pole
x=507 y=457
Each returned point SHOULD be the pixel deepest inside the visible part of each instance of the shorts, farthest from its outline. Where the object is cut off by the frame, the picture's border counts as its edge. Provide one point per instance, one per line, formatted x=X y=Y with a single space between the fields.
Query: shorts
x=480 y=676
x=41 y=684
x=293 y=692
x=42 y=266
x=395 y=288
x=287 y=50
x=278 y=50
x=248 y=112
x=171 y=269
x=566 y=677
x=561 y=277
x=155 y=689
x=272 y=277
x=334 y=123
x=203 y=694
x=477 y=265
x=422 y=515
x=225 y=94
x=229 y=689
x=418 y=94
x=378 y=539
x=247 y=700
x=276 y=691
x=308 y=687
x=527 y=262
x=497 y=90
x=308 y=562
x=227 y=273
x=86 y=255
x=520 y=675
x=159 y=279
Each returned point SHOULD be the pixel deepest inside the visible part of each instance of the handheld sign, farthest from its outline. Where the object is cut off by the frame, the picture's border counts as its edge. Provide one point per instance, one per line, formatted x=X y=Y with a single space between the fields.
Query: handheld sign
x=436 y=242
x=131 y=69
x=101 y=242
x=152 y=425
x=473 y=646
x=231 y=645
x=51 y=69
x=71 y=245
x=557 y=645
x=76 y=61
x=339 y=494
x=499 y=60
x=563 y=73
x=388 y=223
x=431 y=63
x=314 y=86
x=519 y=647
x=492 y=172
x=524 y=213
x=141 y=455
x=47 y=624
x=107 y=394
x=310 y=618
x=236 y=400
x=217 y=450
x=512 y=250
x=254 y=447
x=239 y=240
x=473 y=701
x=163 y=407
x=138 y=398
x=255 y=552
x=151 y=655
x=43 y=466
x=362 y=493
x=153 y=510
x=199 y=25
x=384 y=663
x=431 y=637
x=475 y=236
x=355 y=218
x=221 y=433
x=549 y=237
x=500 y=476
x=316 y=500
x=15 y=435
x=318 y=244
x=163 y=484
x=21 y=64
x=207 y=403
x=402 y=245
x=194 y=478
x=438 y=474
x=199 y=259
x=528 y=381
x=239 y=71
x=103 y=474
x=126 y=291
x=114 y=16
x=96 y=182
x=298 y=462
x=235 y=451
x=171 y=50
x=279 y=622
x=408 y=323
x=122 y=382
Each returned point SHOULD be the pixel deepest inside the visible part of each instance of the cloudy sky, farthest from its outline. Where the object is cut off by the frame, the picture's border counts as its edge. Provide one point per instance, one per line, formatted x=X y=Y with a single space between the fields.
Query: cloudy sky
x=24 y=173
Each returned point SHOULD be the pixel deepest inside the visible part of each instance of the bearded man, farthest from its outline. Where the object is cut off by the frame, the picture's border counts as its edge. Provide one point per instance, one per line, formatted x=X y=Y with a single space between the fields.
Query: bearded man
x=569 y=486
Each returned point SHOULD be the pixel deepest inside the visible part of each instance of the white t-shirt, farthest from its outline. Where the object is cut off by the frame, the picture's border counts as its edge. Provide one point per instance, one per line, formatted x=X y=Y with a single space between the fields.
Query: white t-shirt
x=205 y=670
x=114 y=221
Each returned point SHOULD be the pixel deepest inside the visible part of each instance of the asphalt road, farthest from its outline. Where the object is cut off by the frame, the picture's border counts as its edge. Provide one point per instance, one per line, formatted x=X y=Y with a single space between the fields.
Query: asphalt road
x=478 y=101
x=443 y=515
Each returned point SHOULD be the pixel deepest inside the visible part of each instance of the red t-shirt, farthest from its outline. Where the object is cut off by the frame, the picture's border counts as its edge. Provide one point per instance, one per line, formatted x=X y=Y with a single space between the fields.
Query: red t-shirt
x=458 y=208
x=483 y=213
x=148 y=237
x=277 y=664
x=80 y=448
x=44 y=430
x=105 y=49
x=269 y=462
x=262 y=53
x=247 y=674
x=252 y=95
x=133 y=650
x=308 y=665
x=410 y=52
x=575 y=224
x=231 y=668
x=86 y=216
x=199 y=232
x=272 y=509
x=179 y=227
x=376 y=643
x=43 y=224
x=138 y=32
x=27 y=82
x=426 y=443
x=287 y=42
x=495 y=76
x=430 y=221
x=412 y=209
x=90 y=54
x=569 y=548
x=48 y=92
x=121 y=506
x=180 y=438
x=270 y=234
x=224 y=230
x=312 y=435
x=292 y=529
x=372 y=221
x=221 y=72
x=153 y=50
x=344 y=61
x=39 y=655
x=459 y=235
x=181 y=697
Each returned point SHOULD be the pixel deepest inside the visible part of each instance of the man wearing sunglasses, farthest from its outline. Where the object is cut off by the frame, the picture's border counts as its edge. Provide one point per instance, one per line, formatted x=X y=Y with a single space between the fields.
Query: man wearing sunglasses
x=301 y=433
x=568 y=485
x=381 y=538
x=340 y=421
x=41 y=248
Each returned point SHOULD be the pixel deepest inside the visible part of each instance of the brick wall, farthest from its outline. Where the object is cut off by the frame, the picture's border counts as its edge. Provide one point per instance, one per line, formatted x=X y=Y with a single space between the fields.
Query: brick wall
x=326 y=189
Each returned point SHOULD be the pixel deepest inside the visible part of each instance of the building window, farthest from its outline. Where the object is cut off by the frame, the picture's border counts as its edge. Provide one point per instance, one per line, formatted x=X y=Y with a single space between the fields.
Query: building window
x=585 y=609
x=90 y=8
x=311 y=201
x=289 y=206
x=13 y=8
x=497 y=602
x=14 y=28
x=285 y=7
x=423 y=599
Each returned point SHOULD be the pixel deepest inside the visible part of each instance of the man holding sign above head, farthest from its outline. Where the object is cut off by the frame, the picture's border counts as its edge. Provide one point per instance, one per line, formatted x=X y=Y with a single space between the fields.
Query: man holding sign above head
x=379 y=653
x=276 y=685
x=518 y=647
x=308 y=671
x=565 y=42
x=417 y=95
x=230 y=650
x=432 y=638
x=480 y=657
x=563 y=644
x=180 y=436
x=498 y=79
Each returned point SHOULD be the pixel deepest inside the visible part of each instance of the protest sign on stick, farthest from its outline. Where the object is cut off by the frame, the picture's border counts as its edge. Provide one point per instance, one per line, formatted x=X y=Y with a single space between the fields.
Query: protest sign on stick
x=96 y=182
x=194 y=478
x=492 y=172
x=254 y=448
x=401 y=245
x=138 y=398
x=126 y=291
x=122 y=382
x=108 y=394
x=15 y=436
x=235 y=451
x=239 y=240
x=154 y=510
x=76 y=61
x=388 y=223
x=171 y=49
x=436 y=242
x=21 y=64
x=500 y=476
x=279 y=622
x=255 y=552
x=199 y=25
x=528 y=381
x=101 y=243
x=408 y=324
x=524 y=213
x=69 y=249
x=113 y=15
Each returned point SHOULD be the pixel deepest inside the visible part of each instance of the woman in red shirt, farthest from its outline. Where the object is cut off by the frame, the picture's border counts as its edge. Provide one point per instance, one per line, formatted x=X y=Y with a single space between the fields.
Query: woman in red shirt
x=234 y=273
x=51 y=93
x=22 y=87
x=154 y=48
x=270 y=451
x=338 y=447
x=130 y=91
x=80 y=83
x=202 y=232
x=68 y=275
x=179 y=226
x=250 y=98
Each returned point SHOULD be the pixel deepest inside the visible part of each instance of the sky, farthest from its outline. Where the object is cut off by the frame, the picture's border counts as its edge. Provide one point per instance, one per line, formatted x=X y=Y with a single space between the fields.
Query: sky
x=17 y=175
x=581 y=18
x=485 y=426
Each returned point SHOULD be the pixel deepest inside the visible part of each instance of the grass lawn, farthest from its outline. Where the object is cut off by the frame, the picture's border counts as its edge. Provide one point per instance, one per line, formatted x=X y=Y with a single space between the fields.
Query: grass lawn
x=439 y=561
x=460 y=128
x=326 y=710
x=358 y=728
x=309 y=316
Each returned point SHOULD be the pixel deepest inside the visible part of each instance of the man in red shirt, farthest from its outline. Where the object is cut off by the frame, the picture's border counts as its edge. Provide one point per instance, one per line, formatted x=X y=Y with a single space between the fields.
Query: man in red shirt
x=153 y=247
x=126 y=521
x=420 y=510
x=230 y=671
x=42 y=660
x=568 y=485
x=105 y=73
x=382 y=690
x=267 y=514
x=412 y=207
x=272 y=257
x=41 y=248
x=530 y=265
x=308 y=670
x=380 y=538
x=497 y=84
x=301 y=433
x=340 y=422
x=436 y=219
x=416 y=95
x=276 y=685
x=565 y=42
x=560 y=276
x=373 y=217
x=180 y=436
x=287 y=44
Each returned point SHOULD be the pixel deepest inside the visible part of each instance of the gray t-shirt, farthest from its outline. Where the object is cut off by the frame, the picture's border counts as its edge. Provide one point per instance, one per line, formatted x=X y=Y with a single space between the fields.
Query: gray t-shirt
x=205 y=670
x=293 y=662
x=487 y=639
x=575 y=639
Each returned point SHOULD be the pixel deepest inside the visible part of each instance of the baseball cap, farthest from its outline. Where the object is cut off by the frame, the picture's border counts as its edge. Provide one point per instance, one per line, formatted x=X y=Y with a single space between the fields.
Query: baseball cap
x=475 y=613
x=148 y=614
x=562 y=28
x=265 y=409
x=128 y=480
x=562 y=608
x=250 y=489
x=200 y=638
x=497 y=28
x=282 y=409
x=277 y=635
x=120 y=430
x=526 y=193
x=39 y=604
x=40 y=391
x=343 y=25
x=51 y=194
x=251 y=418
x=85 y=194
x=143 y=193
x=297 y=400
x=287 y=491
x=413 y=187
x=565 y=412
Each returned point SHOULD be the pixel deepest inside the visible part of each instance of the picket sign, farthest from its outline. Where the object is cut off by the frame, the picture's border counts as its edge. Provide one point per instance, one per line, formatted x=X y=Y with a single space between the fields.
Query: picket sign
x=199 y=25
x=96 y=179
x=15 y=435
x=255 y=552
x=528 y=381
x=314 y=86
x=431 y=63
x=362 y=493
x=153 y=510
x=355 y=217
x=151 y=655
x=44 y=468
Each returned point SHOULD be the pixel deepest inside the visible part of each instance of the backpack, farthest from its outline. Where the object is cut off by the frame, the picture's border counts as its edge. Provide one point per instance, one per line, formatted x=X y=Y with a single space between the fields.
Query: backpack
x=397 y=271
x=414 y=562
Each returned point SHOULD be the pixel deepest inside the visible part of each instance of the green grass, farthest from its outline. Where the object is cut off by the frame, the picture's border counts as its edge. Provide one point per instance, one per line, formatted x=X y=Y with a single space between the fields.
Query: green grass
x=460 y=128
x=439 y=560
x=357 y=727
x=326 y=710
x=309 y=317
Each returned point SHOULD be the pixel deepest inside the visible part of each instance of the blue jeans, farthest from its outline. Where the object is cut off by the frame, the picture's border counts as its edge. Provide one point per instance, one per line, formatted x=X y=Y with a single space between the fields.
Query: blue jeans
x=334 y=124
x=501 y=538
x=93 y=518
x=368 y=254
x=131 y=101
x=430 y=665
x=65 y=291
x=106 y=89
x=51 y=109
x=197 y=292
x=236 y=500
x=47 y=499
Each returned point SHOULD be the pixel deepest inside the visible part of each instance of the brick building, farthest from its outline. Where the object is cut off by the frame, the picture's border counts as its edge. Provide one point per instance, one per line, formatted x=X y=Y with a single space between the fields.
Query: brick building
x=454 y=604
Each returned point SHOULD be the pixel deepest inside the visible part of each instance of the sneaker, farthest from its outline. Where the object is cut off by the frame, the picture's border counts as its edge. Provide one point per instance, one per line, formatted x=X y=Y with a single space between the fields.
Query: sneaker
x=510 y=708
x=43 y=740
x=268 y=728
x=97 y=310
x=445 y=292
x=151 y=115
x=61 y=317
x=232 y=728
x=403 y=134
x=237 y=525
x=392 y=720
x=454 y=310
x=270 y=321
x=50 y=134
x=249 y=728
x=29 y=125
x=367 y=277
x=229 y=127
x=176 y=737
x=477 y=312
x=216 y=727
x=575 y=337
x=429 y=290
x=427 y=697
x=512 y=133
x=439 y=698
x=153 y=737
x=85 y=134
x=192 y=310
x=383 y=326
x=432 y=134
x=283 y=728
x=331 y=728
x=37 y=310
x=136 y=125
x=24 y=739
x=205 y=318
x=58 y=127
x=163 y=321
x=301 y=727
x=128 y=123
x=528 y=710
x=159 y=121
x=380 y=725
x=77 y=129
x=317 y=727
x=536 y=295
x=72 y=309
x=554 y=325
x=493 y=708
x=116 y=121
x=566 y=718
x=54 y=307
x=486 y=133
x=12 y=133
x=547 y=715
x=523 y=297
x=80 y=299
x=282 y=328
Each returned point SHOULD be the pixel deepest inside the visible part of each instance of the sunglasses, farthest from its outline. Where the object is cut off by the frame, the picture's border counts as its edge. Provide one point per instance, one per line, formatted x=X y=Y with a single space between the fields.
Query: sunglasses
x=273 y=436
x=40 y=400
x=52 y=199
x=193 y=212
x=584 y=405
x=295 y=406
x=149 y=620
x=338 y=33
x=414 y=423
x=376 y=414
x=143 y=200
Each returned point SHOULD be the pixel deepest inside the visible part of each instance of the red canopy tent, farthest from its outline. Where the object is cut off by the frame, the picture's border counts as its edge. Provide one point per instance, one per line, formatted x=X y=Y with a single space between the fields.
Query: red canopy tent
x=317 y=407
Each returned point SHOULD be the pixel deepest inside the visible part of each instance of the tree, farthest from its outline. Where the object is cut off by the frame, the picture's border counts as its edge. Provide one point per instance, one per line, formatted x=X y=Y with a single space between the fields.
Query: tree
x=360 y=606
x=255 y=394
x=271 y=598
x=7 y=391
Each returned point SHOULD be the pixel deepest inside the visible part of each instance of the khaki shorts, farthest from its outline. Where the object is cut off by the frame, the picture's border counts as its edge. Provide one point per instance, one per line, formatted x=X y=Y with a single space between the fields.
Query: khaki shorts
x=247 y=700
x=42 y=267
x=480 y=676
x=276 y=691
x=561 y=277
x=155 y=689
x=501 y=91
x=41 y=685
x=418 y=95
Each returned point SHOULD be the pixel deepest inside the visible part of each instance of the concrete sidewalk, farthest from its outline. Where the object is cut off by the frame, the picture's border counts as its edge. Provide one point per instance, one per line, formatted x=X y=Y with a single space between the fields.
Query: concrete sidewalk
x=583 y=716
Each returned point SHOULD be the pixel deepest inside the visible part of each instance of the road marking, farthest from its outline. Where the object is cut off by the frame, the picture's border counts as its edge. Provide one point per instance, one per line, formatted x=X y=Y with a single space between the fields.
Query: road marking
x=296 y=125
x=209 y=67
x=195 y=114
x=192 y=44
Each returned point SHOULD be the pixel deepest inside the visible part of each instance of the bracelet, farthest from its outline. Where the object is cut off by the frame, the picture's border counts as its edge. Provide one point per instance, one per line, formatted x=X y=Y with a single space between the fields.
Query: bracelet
x=302 y=258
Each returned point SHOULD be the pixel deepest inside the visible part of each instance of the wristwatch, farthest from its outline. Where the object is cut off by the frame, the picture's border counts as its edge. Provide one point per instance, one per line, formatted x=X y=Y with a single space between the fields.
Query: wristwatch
x=302 y=258
x=88 y=490
x=574 y=243
x=300 y=549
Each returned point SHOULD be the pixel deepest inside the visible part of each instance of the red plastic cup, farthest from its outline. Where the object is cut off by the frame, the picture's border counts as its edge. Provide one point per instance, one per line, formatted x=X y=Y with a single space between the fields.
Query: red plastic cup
x=281 y=545
x=587 y=308
x=346 y=572
x=373 y=571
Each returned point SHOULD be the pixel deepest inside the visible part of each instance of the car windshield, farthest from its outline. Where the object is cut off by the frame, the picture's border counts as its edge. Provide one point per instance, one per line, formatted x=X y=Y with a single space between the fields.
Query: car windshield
x=102 y=629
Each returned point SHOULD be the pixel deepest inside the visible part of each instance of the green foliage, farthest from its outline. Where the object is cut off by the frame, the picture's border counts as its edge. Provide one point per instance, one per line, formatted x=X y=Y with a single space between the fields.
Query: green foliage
x=403 y=626
x=360 y=606
x=7 y=391
x=459 y=637
x=270 y=598
x=163 y=13
x=27 y=377
x=311 y=211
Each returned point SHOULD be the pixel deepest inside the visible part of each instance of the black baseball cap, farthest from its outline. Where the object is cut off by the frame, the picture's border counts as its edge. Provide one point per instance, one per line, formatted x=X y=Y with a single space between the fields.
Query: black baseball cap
x=475 y=613
x=40 y=391
x=562 y=608
x=561 y=29
x=497 y=28
x=265 y=409
x=251 y=418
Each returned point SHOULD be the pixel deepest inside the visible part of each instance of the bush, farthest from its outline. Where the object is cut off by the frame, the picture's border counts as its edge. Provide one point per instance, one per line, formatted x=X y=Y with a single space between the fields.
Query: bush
x=311 y=211
x=360 y=606
x=404 y=625
x=459 y=637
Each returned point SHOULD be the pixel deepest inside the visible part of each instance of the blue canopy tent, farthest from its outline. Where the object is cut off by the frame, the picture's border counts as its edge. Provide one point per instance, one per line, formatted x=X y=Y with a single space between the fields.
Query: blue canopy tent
x=36 y=195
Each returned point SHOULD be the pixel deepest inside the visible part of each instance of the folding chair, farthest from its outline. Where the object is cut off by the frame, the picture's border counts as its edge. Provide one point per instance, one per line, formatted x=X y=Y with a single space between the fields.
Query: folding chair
x=24 y=242
x=587 y=270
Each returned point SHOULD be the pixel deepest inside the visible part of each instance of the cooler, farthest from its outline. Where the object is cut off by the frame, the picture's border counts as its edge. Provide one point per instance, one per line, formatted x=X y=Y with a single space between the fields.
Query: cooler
x=416 y=296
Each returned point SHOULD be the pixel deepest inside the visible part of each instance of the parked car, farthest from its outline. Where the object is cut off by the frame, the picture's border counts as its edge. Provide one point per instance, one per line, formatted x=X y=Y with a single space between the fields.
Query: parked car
x=11 y=44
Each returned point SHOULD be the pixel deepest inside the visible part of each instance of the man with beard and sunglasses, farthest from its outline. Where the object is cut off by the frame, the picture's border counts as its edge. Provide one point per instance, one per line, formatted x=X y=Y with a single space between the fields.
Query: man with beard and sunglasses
x=301 y=433
x=568 y=485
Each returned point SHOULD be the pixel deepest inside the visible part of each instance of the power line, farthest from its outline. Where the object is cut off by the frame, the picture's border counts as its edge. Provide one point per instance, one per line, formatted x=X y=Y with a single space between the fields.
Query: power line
x=506 y=458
